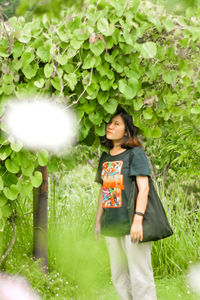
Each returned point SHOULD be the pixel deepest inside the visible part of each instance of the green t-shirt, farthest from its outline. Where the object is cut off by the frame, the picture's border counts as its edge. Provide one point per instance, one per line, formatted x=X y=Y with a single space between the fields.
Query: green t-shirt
x=115 y=174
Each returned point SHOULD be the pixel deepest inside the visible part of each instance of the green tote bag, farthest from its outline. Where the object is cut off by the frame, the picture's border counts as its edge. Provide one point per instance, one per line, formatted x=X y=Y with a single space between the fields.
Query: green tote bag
x=155 y=222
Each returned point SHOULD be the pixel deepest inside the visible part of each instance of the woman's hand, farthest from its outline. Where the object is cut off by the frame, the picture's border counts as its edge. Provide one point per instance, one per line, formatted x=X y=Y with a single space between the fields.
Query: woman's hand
x=136 y=231
x=97 y=231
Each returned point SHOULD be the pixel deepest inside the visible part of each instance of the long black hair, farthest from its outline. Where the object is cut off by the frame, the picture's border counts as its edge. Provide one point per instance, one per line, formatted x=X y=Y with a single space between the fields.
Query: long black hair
x=131 y=139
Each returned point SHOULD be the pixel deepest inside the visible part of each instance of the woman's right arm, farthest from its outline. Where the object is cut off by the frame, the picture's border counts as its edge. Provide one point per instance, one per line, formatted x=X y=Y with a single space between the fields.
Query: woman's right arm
x=97 y=230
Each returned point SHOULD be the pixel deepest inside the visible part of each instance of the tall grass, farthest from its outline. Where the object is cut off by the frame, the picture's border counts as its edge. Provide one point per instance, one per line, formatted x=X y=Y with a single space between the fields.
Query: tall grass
x=78 y=264
x=172 y=256
x=76 y=197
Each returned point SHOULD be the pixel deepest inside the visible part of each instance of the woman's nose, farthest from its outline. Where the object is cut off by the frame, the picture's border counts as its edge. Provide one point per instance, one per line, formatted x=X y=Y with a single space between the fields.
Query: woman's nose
x=110 y=126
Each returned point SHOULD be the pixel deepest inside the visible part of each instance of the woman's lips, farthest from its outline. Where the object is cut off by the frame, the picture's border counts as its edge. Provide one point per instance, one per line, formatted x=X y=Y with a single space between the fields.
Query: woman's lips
x=109 y=132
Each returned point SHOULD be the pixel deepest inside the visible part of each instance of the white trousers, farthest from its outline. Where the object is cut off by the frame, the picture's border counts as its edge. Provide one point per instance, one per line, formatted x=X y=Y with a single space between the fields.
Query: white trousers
x=131 y=268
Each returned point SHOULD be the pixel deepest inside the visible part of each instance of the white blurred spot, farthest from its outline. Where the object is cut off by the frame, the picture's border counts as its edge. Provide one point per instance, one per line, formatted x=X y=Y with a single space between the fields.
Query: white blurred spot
x=194 y=278
x=40 y=124
x=16 y=288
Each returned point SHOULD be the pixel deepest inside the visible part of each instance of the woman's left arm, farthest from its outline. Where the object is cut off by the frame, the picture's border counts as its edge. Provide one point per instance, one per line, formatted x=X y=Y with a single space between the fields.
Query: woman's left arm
x=136 y=231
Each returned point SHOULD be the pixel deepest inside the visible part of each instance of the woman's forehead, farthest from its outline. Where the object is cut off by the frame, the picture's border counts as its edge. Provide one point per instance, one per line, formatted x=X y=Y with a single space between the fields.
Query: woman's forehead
x=117 y=118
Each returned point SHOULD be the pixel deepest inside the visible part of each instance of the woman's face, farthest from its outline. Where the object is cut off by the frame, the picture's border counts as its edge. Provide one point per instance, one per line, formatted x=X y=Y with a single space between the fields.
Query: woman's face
x=115 y=130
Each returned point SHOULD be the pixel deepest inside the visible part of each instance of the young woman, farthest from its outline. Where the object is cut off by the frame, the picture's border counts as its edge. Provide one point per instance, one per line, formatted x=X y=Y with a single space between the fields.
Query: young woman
x=130 y=261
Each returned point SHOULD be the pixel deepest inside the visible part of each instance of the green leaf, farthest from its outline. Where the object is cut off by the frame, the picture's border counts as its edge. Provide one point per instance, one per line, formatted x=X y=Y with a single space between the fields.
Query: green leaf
x=148 y=50
x=71 y=53
x=27 y=58
x=12 y=166
x=171 y=99
x=100 y=130
x=169 y=76
x=36 y=179
x=130 y=89
x=42 y=157
x=16 y=147
x=11 y=192
x=8 y=89
x=81 y=34
x=9 y=179
x=137 y=103
x=105 y=83
x=153 y=132
x=156 y=132
x=1 y=184
x=104 y=70
x=89 y=106
x=148 y=114
x=76 y=44
x=97 y=48
x=83 y=133
x=176 y=111
x=56 y=83
x=3 y=200
x=17 y=50
x=130 y=73
x=44 y=54
x=24 y=38
x=17 y=64
x=39 y=83
x=169 y=25
x=104 y=27
x=8 y=78
x=102 y=97
x=71 y=80
x=69 y=68
x=79 y=113
x=26 y=159
x=92 y=90
x=28 y=171
x=88 y=62
x=24 y=188
x=166 y=115
x=118 y=68
x=6 y=211
x=4 y=51
x=5 y=152
x=196 y=109
x=53 y=165
x=48 y=70
x=96 y=117
x=30 y=71
x=111 y=106
x=62 y=59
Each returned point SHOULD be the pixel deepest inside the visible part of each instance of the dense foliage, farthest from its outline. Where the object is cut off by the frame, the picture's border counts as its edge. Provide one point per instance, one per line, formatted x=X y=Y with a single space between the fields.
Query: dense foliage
x=8 y=8
x=139 y=56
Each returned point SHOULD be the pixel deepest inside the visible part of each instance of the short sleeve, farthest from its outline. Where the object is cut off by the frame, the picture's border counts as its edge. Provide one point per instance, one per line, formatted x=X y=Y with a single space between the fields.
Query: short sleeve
x=98 y=178
x=139 y=165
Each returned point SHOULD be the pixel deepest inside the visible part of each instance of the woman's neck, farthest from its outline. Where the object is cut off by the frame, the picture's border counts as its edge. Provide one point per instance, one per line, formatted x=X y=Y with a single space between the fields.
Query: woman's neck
x=117 y=149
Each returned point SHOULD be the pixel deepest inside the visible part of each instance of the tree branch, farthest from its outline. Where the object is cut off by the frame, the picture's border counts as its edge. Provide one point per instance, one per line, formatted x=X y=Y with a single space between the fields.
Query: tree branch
x=12 y=242
x=83 y=92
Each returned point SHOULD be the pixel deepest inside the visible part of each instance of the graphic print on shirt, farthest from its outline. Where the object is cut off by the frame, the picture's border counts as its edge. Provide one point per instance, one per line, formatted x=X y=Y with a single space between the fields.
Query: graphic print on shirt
x=112 y=184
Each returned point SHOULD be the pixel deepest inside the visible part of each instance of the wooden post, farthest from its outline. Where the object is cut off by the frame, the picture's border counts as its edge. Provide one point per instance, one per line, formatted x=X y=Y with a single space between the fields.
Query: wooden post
x=40 y=220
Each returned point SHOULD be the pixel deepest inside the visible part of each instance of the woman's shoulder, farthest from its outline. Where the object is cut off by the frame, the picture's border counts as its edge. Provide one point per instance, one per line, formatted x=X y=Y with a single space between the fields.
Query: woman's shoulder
x=138 y=153
x=137 y=149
